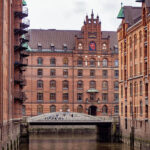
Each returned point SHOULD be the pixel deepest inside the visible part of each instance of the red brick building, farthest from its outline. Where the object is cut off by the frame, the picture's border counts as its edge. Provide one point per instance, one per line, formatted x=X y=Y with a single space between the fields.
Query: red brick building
x=73 y=71
x=134 y=58
x=12 y=52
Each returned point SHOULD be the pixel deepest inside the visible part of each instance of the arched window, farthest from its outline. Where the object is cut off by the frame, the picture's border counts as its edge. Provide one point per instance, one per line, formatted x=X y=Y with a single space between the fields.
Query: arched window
x=140 y=36
x=80 y=109
x=104 y=109
x=116 y=85
x=135 y=39
x=131 y=109
x=92 y=62
x=105 y=85
x=104 y=46
x=80 y=84
x=39 y=84
x=23 y=110
x=135 y=88
x=65 y=61
x=65 y=84
x=52 y=108
x=121 y=108
x=116 y=109
x=141 y=108
x=52 y=61
x=121 y=48
x=130 y=42
x=53 y=84
x=116 y=63
x=65 y=108
x=80 y=62
x=105 y=63
x=131 y=90
x=40 y=61
x=39 y=109
x=92 y=84
x=141 y=88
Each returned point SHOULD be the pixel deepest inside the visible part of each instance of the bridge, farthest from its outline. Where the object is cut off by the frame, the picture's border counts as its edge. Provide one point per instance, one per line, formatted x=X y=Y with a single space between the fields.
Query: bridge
x=70 y=118
x=71 y=122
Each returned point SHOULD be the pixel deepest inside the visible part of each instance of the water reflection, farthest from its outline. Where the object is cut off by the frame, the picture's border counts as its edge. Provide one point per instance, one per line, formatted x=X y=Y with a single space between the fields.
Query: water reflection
x=69 y=142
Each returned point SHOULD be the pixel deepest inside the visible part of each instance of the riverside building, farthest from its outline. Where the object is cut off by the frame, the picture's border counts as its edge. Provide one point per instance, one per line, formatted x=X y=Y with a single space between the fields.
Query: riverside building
x=74 y=71
x=134 y=64
x=13 y=26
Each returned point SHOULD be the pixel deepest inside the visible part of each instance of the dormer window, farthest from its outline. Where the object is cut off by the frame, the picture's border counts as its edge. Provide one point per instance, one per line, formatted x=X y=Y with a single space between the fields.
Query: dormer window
x=39 y=46
x=65 y=47
x=80 y=46
x=52 y=46
x=104 y=46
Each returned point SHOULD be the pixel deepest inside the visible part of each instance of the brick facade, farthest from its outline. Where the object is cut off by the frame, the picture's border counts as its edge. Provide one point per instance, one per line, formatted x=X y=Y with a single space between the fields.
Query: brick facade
x=11 y=15
x=134 y=42
x=78 y=71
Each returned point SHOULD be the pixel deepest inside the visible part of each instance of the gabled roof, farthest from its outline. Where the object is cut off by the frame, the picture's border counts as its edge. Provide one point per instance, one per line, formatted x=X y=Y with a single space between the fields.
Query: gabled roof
x=132 y=14
x=61 y=37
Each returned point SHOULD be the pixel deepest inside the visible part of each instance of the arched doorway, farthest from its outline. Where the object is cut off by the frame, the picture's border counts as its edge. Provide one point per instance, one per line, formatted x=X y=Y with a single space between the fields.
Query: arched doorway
x=92 y=110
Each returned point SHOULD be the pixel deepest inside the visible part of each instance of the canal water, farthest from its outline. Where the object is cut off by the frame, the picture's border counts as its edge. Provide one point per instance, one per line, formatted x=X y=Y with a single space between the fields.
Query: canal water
x=69 y=142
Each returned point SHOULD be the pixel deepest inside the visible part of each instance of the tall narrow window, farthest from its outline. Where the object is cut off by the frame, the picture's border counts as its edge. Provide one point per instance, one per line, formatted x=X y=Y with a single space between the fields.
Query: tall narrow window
x=130 y=42
x=80 y=62
x=65 y=72
x=39 y=84
x=79 y=97
x=104 y=96
x=92 y=84
x=92 y=62
x=105 y=73
x=135 y=39
x=52 y=61
x=116 y=85
x=65 y=61
x=65 y=97
x=80 y=73
x=121 y=91
x=40 y=72
x=53 y=108
x=140 y=36
x=52 y=97
x=39 y=109
x=116 y=73
x=135 y=88
x=23 y=110
x=116 y=63
x=40 y=96
x=105 y=63
x=131 y=90
x=141 y=108
x=116 y=97
x=104 y=109
x=40 y=61
x=65 y=84
x=121 y=109
x=52 y=72
x=105 y=85
x=141 y=88
x=80 y=84
x=92 y=73
x=116 y=109
x=53 y=84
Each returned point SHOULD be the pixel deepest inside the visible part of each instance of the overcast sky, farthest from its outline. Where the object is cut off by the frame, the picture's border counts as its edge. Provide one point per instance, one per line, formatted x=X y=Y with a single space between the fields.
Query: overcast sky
x=70 y=14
